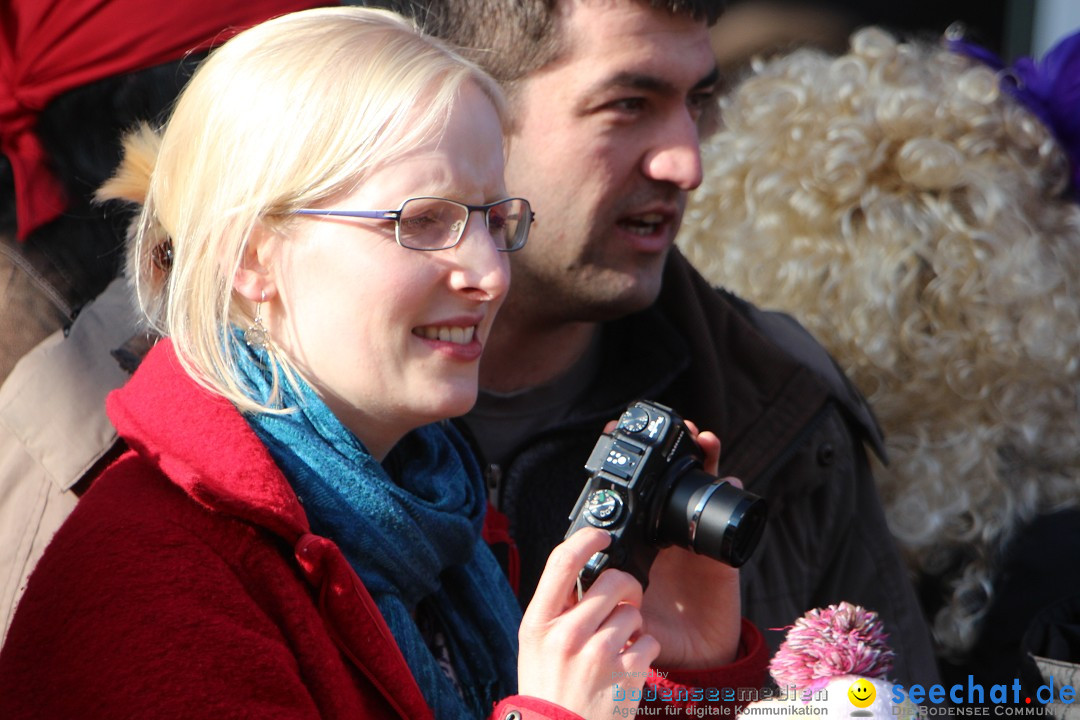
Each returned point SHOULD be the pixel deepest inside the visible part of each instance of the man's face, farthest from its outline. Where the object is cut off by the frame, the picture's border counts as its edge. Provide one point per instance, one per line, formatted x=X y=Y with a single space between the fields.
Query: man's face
x=606 y=150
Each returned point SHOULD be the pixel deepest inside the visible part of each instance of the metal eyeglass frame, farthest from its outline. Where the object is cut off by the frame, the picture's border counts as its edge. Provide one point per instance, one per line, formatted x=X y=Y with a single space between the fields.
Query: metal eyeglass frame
x=395 y=215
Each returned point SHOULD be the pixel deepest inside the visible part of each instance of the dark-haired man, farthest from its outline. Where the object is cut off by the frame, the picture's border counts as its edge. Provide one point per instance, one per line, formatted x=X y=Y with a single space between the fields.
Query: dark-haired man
x=611 y=98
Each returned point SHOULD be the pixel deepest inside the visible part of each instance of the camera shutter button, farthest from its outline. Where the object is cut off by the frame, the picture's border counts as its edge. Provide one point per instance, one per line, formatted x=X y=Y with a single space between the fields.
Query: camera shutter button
x=603 y=508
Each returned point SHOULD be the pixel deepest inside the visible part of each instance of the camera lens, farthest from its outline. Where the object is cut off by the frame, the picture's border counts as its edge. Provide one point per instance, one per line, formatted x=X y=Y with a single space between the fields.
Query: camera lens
x=712 y=517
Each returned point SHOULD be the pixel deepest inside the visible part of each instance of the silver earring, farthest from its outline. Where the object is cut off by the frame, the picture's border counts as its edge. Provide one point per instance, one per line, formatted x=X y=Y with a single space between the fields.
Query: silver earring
x=257 y=335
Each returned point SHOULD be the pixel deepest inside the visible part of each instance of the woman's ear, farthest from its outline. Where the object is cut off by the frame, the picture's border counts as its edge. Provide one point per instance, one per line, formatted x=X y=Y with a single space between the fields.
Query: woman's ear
x=255 y=278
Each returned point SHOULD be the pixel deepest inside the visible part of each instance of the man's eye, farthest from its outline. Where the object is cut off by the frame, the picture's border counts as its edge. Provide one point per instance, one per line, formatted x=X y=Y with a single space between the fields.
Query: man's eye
x=632 y=104
x=702 y=101
x=705 y=109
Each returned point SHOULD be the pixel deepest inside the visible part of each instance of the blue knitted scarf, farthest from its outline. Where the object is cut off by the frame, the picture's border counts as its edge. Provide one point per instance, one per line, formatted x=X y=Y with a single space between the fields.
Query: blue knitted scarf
x=412 y=537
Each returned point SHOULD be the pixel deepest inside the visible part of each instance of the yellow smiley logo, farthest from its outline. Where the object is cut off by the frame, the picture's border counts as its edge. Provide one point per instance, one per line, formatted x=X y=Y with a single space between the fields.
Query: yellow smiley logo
x=861 y=693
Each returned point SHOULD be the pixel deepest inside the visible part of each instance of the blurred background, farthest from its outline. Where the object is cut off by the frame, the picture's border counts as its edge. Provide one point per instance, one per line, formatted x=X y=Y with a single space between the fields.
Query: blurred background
x=1012 y=28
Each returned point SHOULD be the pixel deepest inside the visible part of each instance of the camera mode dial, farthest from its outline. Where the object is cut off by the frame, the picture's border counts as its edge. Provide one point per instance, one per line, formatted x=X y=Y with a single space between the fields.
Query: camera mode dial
x=603 y=508
x=634 y=420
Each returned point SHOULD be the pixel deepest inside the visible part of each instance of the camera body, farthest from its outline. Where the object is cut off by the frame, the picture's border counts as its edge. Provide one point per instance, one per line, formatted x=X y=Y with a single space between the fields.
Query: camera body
x=647 y=488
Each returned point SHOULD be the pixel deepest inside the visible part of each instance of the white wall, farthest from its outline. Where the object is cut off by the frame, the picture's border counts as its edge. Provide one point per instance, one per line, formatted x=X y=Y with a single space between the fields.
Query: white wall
x=1053 y=20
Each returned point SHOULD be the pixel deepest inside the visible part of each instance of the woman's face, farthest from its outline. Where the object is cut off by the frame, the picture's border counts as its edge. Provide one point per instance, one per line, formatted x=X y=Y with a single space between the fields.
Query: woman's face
x=391 y=337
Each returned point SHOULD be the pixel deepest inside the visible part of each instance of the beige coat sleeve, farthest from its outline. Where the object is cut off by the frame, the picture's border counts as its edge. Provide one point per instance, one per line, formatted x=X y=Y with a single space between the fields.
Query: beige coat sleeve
x=53 y=429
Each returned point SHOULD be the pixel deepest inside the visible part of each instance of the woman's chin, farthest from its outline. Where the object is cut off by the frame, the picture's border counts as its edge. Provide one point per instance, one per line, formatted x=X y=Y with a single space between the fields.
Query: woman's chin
x=451 y=404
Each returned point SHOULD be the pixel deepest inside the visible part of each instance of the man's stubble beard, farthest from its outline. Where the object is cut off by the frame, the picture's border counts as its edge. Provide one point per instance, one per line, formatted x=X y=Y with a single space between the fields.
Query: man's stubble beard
x=582 y=293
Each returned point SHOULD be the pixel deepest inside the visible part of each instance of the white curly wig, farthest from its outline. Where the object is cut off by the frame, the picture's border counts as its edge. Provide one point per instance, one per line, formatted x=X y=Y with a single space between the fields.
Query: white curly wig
x=917 y=220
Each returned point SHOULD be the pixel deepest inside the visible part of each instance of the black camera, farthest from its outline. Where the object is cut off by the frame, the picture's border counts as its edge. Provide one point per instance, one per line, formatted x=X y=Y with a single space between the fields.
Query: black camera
x=647 y=488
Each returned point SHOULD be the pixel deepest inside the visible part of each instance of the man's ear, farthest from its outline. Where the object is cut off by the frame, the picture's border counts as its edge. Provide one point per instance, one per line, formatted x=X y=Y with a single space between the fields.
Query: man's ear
x=255 y=277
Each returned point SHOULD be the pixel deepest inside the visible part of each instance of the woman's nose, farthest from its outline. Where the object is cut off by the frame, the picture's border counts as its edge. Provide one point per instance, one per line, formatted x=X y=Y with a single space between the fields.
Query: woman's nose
x=480 y=265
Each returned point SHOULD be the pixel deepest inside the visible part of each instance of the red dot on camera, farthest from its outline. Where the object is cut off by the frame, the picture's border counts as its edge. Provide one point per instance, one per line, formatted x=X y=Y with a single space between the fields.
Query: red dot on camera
x=1027 y=700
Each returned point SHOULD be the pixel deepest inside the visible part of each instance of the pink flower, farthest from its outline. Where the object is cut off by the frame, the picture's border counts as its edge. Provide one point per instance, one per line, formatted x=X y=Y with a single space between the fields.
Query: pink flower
x=842 y=639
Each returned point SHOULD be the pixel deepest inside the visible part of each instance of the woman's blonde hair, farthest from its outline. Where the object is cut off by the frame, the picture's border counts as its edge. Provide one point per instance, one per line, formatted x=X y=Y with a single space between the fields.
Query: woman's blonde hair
x=916 y=219
x=285 y=115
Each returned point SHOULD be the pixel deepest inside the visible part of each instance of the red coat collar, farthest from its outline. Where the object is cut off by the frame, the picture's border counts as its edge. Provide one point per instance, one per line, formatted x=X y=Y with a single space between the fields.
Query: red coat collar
x=206 y=448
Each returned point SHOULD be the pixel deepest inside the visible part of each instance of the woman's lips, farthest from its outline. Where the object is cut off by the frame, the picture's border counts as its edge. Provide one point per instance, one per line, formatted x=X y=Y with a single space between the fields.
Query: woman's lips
x=457 y=341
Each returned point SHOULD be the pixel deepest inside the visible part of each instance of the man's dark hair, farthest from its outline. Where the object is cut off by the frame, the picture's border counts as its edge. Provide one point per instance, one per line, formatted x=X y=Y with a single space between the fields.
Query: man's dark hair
x=513 y=38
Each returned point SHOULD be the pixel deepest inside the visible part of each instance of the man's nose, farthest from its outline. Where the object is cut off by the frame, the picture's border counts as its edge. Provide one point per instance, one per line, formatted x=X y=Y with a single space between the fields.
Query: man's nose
x=676 y=156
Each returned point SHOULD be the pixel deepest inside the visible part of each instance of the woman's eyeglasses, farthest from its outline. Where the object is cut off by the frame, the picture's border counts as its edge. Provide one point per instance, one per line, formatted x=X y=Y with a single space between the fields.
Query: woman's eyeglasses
x=432 y=223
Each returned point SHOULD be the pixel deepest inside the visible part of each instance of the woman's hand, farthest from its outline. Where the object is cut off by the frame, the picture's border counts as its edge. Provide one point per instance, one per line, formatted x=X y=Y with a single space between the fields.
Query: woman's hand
x=573 y=653
x=692 y=606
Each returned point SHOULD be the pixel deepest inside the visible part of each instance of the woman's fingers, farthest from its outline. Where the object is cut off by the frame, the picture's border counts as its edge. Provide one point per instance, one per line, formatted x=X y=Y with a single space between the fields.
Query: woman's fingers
x=638 y=656
x=554 y=590
x=572 y=649
x=613 y=592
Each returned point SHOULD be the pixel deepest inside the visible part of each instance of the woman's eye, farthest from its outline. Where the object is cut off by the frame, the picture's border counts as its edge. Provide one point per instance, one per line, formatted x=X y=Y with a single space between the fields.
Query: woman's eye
x=418 y=223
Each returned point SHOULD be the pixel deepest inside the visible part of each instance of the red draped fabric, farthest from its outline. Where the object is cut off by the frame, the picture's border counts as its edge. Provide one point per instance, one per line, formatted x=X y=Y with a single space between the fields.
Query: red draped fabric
x=50 y=46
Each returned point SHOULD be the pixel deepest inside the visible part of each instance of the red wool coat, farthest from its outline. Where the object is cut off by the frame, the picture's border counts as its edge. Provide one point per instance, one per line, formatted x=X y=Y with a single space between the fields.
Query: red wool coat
x=187 y=584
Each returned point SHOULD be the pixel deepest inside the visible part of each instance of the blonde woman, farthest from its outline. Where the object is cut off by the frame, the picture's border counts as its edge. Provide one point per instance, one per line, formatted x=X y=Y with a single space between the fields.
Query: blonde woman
x=323 y=245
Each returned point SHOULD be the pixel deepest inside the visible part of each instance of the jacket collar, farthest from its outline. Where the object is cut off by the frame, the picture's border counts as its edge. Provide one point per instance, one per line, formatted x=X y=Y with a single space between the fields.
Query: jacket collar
x=757 y=379
x=190 y=449
x=202 y=444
